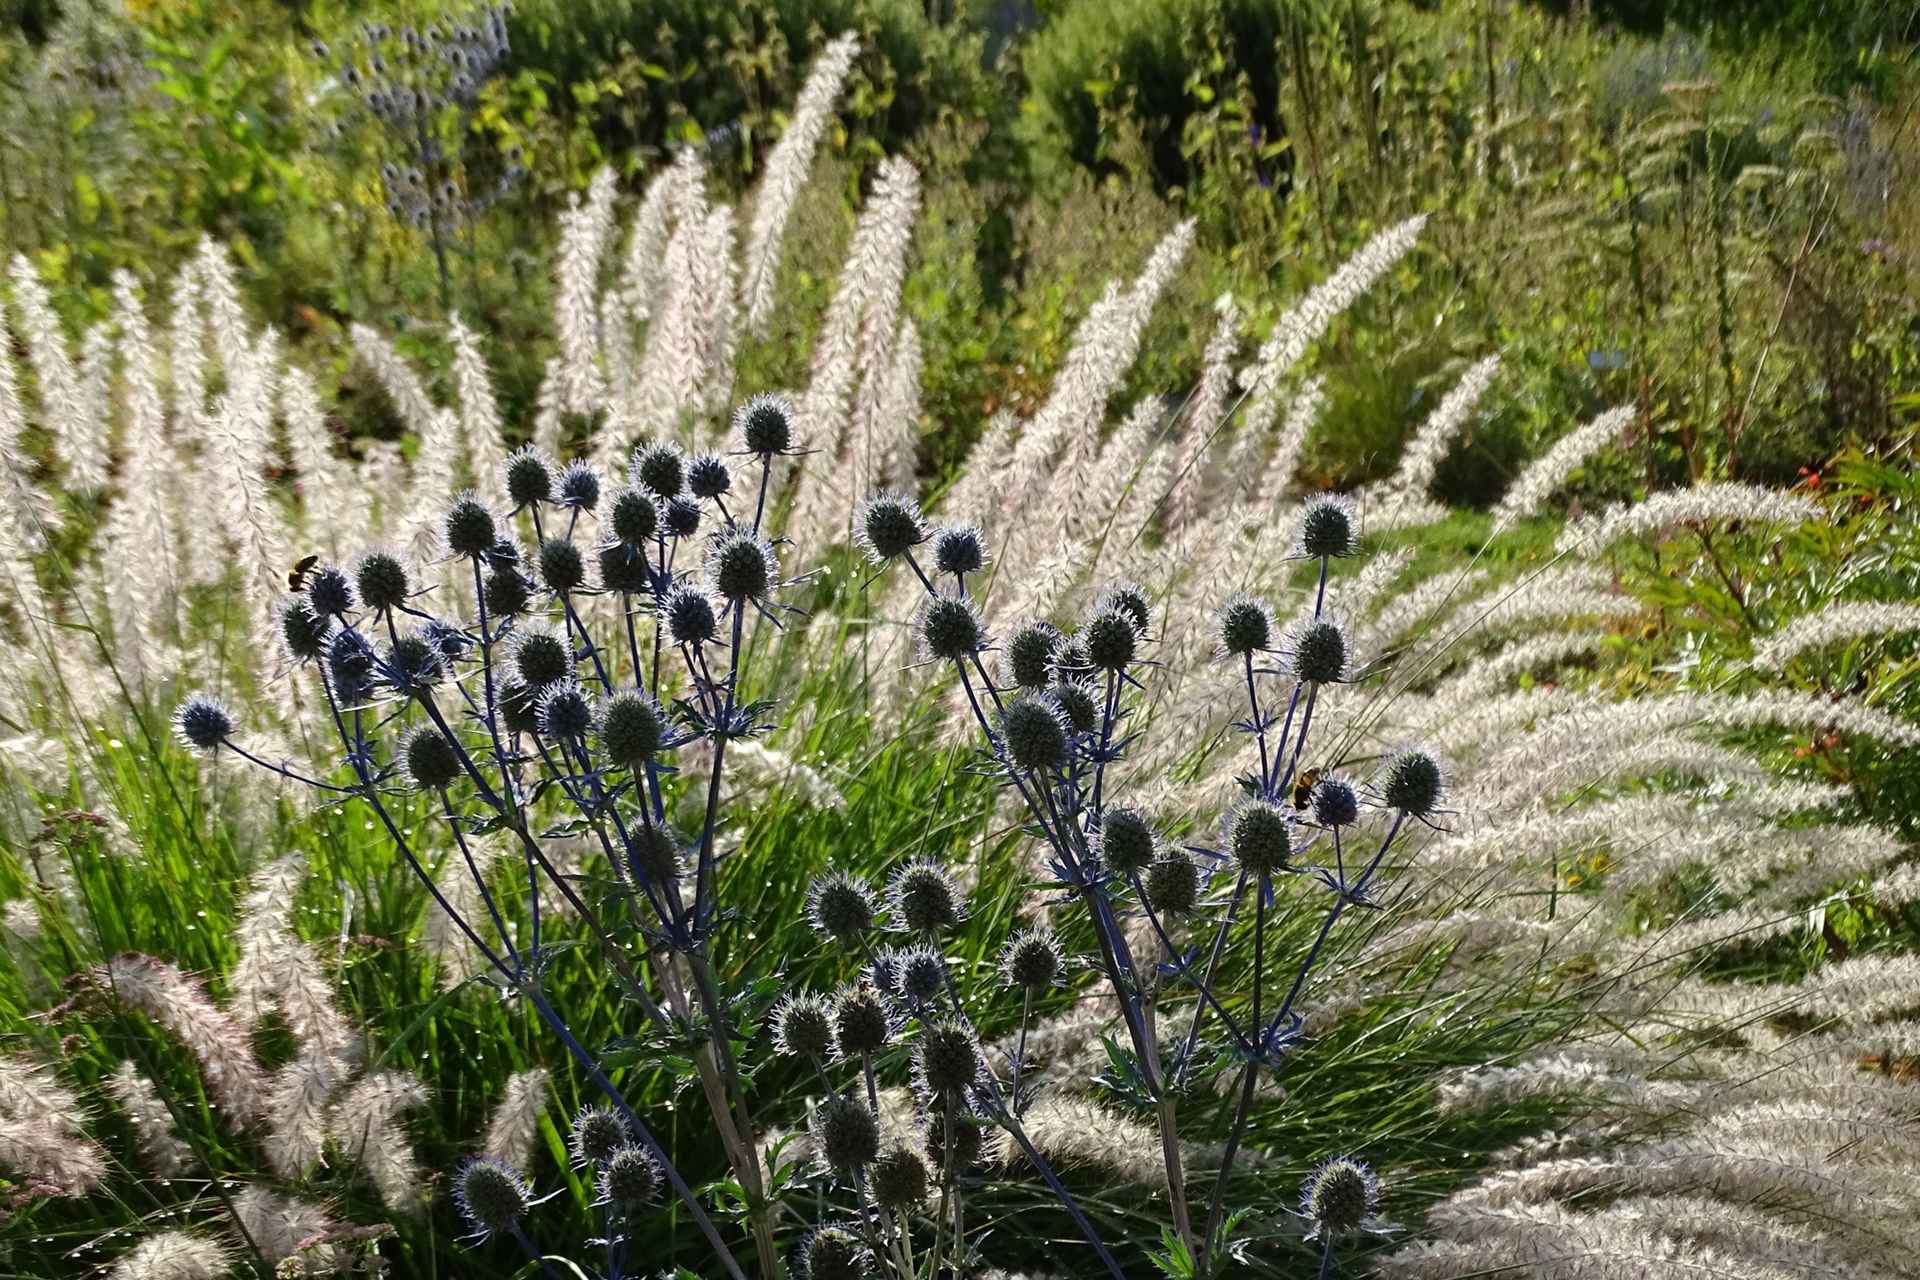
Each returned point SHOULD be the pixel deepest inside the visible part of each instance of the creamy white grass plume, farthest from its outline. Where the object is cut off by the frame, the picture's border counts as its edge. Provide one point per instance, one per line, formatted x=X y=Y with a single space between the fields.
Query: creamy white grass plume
x=365 y=1126
x=1549 y=471
x=1303 y=325
x=277 y=970
x=672 y=370
x=90 y=459
x=40 y=1130
x=1401 y=500
x=220 y=296
x=516 y=1117
x=396 y=377
x=643 y=273
x=333 y=513
x=63 y=408
x=179 y=1005
x=1844 y=620
x=1075 y=1132
x=24 y=510
x=715 y=278
x=787 y=167
x=479 y=410
x=277 y=1225
x=896 y=203
x=754 y=768
x=298 y=1110
x=163 y=1149
x=896 y=436
x=1724 y=503
x=584 y=229
x=546 y=411
x=172 y=1255
x=453 y=952
x=1308 y=403
x=239 y=445
x=140 y=566
x=1204 y=413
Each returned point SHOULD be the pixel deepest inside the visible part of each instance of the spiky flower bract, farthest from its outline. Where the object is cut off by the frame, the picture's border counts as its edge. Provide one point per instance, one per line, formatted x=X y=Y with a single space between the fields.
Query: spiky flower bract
x=948 y=628
x=803 y=1025
x=1172 y=885
x=1413 y=782
x=862 y=1023
x=203 y=722
x=947 y=1061
x=562 y=568
x=689 y=615
x=330 y=592
x=579 y=486
x=1243 y=625
x=1129 y=598
x=833 y=1254
x=629 y=1181
x=764 y=425
x=1260 y=838
x=1127 y=841
x=303 y=631
x=899 y=1178
x=1030 y=654
x=491 y=1194
x=1111 y=639
x=565 y=711
x=431 y=760
x=527 y=477
x=1340 y=1199
x=623 y=568
x=380 y=580
x=924 y=898
x=635 y=515
x=414 y=665
x=708 y=476
x=632 y=727
x=741 y=567
x=1329 y=526
x=847 y=1134
x=682 y=517
x=1032 y=961
x=841 y=907
x=959 y=551
x=1335 y=802
x=541 y=657
x=1034 y=730
x=1317 y=651
x=887 y=526
x=1079 y=702
x=598 y=1132
x=469 y=527
x=921 y=975
x=661 y=467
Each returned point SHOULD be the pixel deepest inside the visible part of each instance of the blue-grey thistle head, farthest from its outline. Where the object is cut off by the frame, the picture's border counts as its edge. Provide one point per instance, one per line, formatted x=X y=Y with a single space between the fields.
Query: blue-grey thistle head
x=565 y=712
x=833 y=1254
x=635 y=516
x=846 y=1133
x=632 y=728
x=1413 y=782
x=708 y=476
x=203 y=722
x=562 y=568
x=527 y=477
x=491 y=1194
x=1111 y=640
x=1078 y=702
x=329 y=591
x=1340 y=1198
x=741 y=567
x=1030 y=654
x=922 y=975
x=841 y=907
x=764 y=425
x=947 y=1061
x=514 y=703
x=803 y=1025
x=1129 y=598
x=623 y=567
x=431 y=760
x=350 y=664
x=924 y=898
x=682 y=517
x=1127 y=841
x=1317 y=651
x=302 y=630
x=598 y=1132
x=887 y=526
x=542 y=657
x=959 y=551
x=1260 y=838
x=1032 y=961
x=862 y=1023
x=689 y=615
x=1071 y=659
x=1243 y=626
x=968 y=1142
x=1172 y=884
x=414 y=665
x=380 y=580
x=579 y=486
x=661 y=467
x=448 y=639
x=948 y=628
x=469 y=527
x=629 y=1181
x=899 y=1178
x=1034 y=730
x=1335 y=803
x=506 y=594
x=1328 y=527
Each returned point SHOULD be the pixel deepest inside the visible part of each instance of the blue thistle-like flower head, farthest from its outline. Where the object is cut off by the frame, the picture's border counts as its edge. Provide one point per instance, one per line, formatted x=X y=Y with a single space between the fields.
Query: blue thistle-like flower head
x=1030 y=654
x=635 y=516
x=565 y=711
x=764 y=425
x=1034 y=731
x=841 y=907
x=947 y=629
x=598 y=1132
x=741 y=567
x=1341 y=1199
x=330 y=592
x=579 y=486
x=922 y=975
x=887 y=526
x=1032 y=961
x=1319 y=651
x=1329 y=526
x=491 y=1194
x=846 y=1133
x=682 y=516
x=803 y=1025
x=431 y=761
x=203 y=723
x=527 y=476
x=661 y=467
x=632 y=730
x=1242 y=626
x=542 y=656
x=863 y=1022
x=350 y=667
x=1129 y=598
x=831 y=1253
x=1260 y=838
x=709 y=476
x=959 y=551
x=562 y=568
x=689 y=615
x=303 y=631
x=413 y=664
x=380 y=580
x=1413 y=782
x=469 y=528
x=947 y=1061
x=1335 y=803
x=629 y=1181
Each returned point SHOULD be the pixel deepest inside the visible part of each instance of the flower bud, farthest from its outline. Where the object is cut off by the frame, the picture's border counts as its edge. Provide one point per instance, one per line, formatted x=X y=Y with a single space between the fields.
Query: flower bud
x=1078 y=702
x=1414 y=783
x=329 y=592
x=1111 y=640
x=841 y=908
x=803 y=1025
x=505 y=593
x=1317 y=652
x=948 y=628
x=861 y=1022
x=1334 y=803
x=381 y=581
x=598 y=1132
x=491 y=1195
x=764 y=425
x=431 y=760
x=629 y=1181
x=527 y=478
x=899 y=1178
x=1339 y=1197
x=689 y=616
x=564 y=711
x=959 y=551
x=708 y=476
x=541 y=658
x=636 y=516
x=1030 y=654
x=1260 y=838
x=682 y=517
x=947 y=1059
x=887 y=526
x=1328 y=527
x=1032 y=961
x=579 y=486
x=659 y=466
x=1127 y=842
x=847 y=1133
x=922 y=975
x=469 y=527
x=1034 y=731
x=1244 y=625
x=561 y=567
x=303 y=630
x=631 y=730
x=203 y=723
x=924 y=899
x=741 y=567
x=1173 y=885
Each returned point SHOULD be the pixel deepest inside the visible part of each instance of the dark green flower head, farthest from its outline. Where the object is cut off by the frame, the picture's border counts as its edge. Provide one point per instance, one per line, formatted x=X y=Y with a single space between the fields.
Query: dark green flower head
x=579 y=486
x=527 y=477
x=1260 y=838
x=541 y=657
x=708 y=476
x=203 y=723
x=1034 y=731
x=1030 y=654
x=1328 y=527
x=623 y=568
x=381 y=581
x=1032 y=961
x=1129 y=598
x=1340 y=1198
x=629 y=1181
x=862 y=1023
x=682 y=516
x=1243 y=626
x=1111 y=640
x=491 y=1194
x=689 y=616
x=959 y=551
x=562 y=568
x=414 y=665
x=948 y=628
x=924 y=899
x=632 y=728
x=1128 y=843
x=887 y=526
x=303 y=631
x=469 y=527
x=899 y=1178
x=1079 y=702
x=431 y=761
x=847 y=1134
x=832 y=1254
x=764 y=425
x=947 y=1060
x=505 y=594
x=661 y=467
x=1173 y=885
x=741 y=567
x=803 y=1025
x=598 y=1132
x=841 y=908
x=1413 y=783
x=635 y=516
x=1317 y=652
